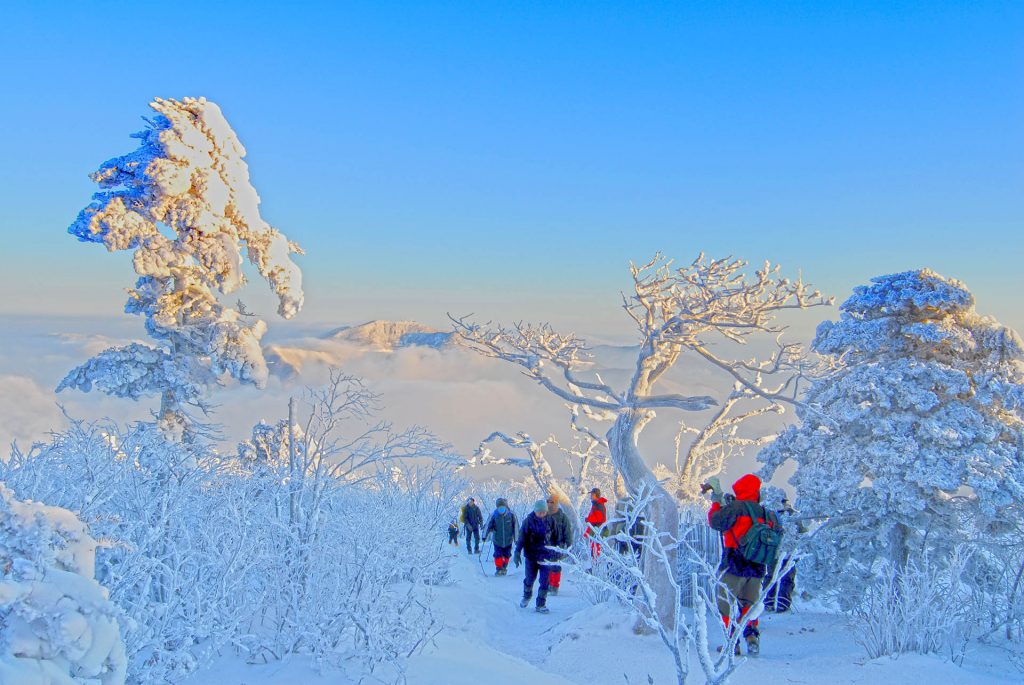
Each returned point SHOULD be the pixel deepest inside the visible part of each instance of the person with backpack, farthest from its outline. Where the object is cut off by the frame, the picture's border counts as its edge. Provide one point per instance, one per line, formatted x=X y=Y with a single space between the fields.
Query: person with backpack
x=502 y=524
x=472 y=518
x=780 y=597
x=533 y=542
x=750 y=542
x=596 y=519
x=453 y=533
x=561 y=536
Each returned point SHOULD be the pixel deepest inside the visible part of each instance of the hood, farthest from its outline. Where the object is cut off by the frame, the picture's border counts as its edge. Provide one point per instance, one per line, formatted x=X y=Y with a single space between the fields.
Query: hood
x=602 y=500
x=748 y=488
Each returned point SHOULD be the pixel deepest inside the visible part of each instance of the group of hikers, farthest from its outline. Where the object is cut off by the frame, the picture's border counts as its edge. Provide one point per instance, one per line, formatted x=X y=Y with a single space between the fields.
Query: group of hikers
x=750 y=534
x=543 y=538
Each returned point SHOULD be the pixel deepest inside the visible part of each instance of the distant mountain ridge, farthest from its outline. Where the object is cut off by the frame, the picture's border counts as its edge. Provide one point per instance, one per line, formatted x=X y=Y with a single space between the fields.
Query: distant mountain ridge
x=385 y=336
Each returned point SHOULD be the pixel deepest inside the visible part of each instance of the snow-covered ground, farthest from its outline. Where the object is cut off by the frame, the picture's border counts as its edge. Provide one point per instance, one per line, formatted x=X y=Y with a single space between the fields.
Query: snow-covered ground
x=488 y=638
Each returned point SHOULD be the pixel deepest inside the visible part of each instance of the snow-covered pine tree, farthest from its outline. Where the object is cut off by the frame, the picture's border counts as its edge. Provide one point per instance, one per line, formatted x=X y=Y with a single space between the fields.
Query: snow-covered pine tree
x=184 y=204
x=913 y=442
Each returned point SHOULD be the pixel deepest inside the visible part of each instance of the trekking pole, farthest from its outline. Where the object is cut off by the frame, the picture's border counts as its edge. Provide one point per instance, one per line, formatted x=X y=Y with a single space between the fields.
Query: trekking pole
x=480 y=558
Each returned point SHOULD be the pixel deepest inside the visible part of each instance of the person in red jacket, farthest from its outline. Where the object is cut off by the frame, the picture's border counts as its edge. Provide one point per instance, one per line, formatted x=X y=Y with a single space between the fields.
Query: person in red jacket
x=596 y=518
x=740 y=578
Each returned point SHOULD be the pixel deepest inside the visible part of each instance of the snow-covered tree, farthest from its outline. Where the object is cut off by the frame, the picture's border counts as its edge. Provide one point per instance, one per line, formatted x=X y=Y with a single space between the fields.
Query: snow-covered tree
x=674 y=310
x=57 y=626
x=913 y=442
x=586 y=461
x=183 y=203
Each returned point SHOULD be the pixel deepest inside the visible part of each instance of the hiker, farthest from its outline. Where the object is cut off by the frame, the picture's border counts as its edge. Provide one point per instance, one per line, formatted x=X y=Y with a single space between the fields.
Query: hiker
x=596 y=518
x=780 y=597
x=561 y=536
x=502 y=524
x=635 y=533
x=534 y=539
x=741 y=576
x=472 y=519
x=453 y=533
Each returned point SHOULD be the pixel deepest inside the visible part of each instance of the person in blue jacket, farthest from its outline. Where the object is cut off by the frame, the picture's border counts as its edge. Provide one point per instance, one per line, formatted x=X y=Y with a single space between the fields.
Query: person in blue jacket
x=502 y=525
x=534 y=540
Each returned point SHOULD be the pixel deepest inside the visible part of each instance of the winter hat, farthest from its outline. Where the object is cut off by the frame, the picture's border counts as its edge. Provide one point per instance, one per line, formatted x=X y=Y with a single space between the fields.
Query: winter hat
x=540 y=506
x=501 y=502
x=748 y=488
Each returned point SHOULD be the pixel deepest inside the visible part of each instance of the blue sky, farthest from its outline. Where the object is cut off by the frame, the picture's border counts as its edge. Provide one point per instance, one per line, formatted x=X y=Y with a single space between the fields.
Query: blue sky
x=510 y=158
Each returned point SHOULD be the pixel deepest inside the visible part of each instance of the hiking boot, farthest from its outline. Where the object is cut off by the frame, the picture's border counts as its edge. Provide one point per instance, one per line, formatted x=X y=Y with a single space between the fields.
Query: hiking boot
x=736 y=651
x=524 y=603
x=753 y=645
x=552 y=591
x=543 y=610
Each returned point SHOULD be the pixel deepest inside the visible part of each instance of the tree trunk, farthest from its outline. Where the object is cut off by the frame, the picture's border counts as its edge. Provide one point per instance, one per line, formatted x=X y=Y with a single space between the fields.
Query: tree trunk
x=663 y=513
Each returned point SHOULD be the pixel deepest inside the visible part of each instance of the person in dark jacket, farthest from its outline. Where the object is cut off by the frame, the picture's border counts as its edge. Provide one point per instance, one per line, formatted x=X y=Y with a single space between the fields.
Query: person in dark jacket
x=502 y=525
x=741 y=579
x=596 y=519
x=561 y=536
x=780 y=597
x=533 y=542
x=453 y=533
x=472 y=518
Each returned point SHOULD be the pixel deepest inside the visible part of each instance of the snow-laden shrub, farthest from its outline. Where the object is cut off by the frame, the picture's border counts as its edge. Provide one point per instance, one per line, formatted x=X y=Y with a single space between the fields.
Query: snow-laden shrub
x=924 y=608
x=325 y=545
x=350 y=513
x=57 y=626
x=912 y=444
x=177 y=548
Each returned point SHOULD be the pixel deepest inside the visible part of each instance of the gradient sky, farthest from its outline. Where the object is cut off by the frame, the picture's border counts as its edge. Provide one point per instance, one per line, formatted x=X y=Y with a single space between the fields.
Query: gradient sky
x=510 y=158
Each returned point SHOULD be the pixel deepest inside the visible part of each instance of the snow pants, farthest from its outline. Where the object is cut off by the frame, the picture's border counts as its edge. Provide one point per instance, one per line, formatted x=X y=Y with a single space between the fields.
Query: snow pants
x=501 y=556
x=555 y=576
x=535 y=569
x=453 y=537
x=740 y=591
x=472 y=531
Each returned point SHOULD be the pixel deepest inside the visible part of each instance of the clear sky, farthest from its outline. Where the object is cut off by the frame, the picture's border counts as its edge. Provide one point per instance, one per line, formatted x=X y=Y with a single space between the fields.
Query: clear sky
x=510 y=158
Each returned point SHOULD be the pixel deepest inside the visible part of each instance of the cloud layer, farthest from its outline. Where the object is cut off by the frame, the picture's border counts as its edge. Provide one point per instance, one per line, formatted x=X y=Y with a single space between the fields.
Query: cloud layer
x=459 y=395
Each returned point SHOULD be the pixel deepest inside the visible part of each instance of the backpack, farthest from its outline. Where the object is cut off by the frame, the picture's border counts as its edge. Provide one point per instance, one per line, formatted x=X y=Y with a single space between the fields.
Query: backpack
x=760 y=544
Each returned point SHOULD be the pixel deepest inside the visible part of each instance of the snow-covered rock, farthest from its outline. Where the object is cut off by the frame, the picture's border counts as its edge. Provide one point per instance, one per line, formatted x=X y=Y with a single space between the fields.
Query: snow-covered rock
x=57 y=626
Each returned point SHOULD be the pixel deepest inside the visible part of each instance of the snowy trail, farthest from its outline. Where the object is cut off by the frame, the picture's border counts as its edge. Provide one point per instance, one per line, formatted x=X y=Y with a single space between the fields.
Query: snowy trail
x=487 y=638
x=487 y=635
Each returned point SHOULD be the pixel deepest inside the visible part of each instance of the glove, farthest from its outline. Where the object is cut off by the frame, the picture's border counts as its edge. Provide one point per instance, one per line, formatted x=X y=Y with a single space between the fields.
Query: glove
x=517 y=559
x=716 y=485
